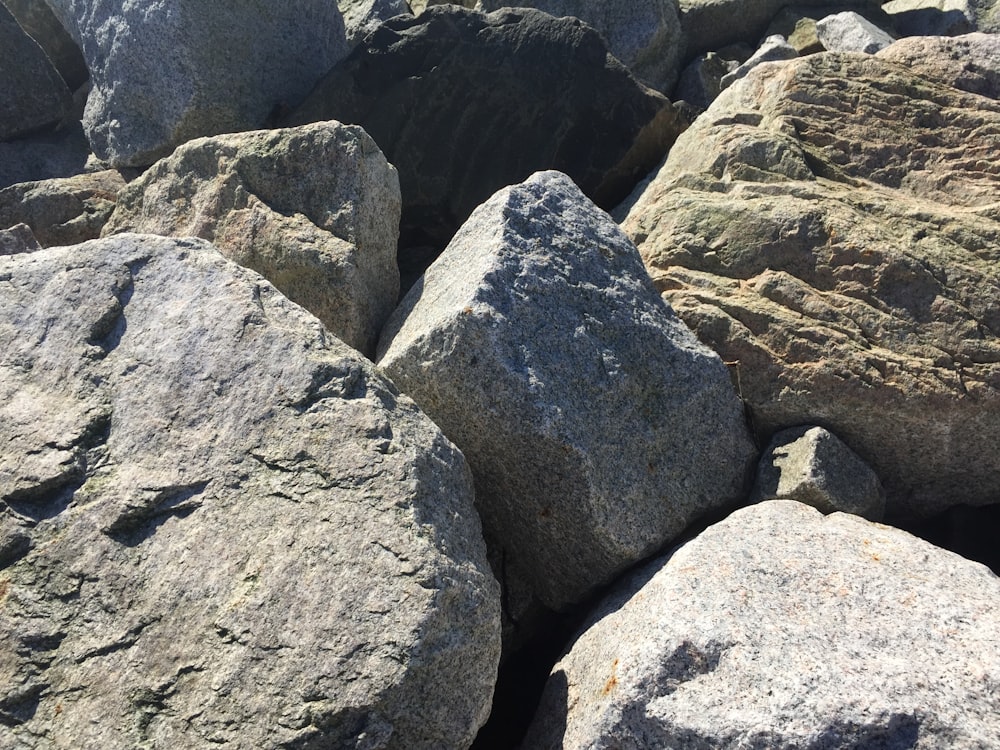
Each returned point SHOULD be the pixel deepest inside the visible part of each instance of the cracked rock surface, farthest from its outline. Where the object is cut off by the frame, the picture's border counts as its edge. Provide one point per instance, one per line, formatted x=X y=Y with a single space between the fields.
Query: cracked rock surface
x=831 y=227
x=720 y=645
x=218 y=524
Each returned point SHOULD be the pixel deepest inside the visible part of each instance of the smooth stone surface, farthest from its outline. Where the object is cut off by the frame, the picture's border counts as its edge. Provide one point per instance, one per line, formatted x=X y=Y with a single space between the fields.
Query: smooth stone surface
x=783 y=628
x=851 y=32
x=218 y=524
x=315 y=209
x=596 y=426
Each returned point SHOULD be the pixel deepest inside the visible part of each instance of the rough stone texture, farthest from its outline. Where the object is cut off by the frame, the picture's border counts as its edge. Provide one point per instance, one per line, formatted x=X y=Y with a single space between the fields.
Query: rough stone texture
x=539 y=93
x=811 y=465
x=219 y=526
x=784 y=628
x=831 y=225
x=315 y=209
x=851 y=32
x=62 y=211
x=970 y=62
x=596 y=426
x=62 y=153
x=773 y=49
x=361 y=17
x=931 y=17
x=17 y=239
x=643 y=34
x=166 y=72
x=33 y=94
x=41 y=24
x=701 y=81
x=712 y=24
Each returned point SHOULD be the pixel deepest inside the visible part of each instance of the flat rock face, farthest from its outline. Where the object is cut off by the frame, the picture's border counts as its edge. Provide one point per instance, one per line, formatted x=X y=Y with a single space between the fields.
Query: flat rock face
x=851 y=273
x=34 y=95
x=596 y=426
x=218 y=524
x=464 y=103
x=645 y=35
x=40 y=22
x=719 y=645
x=62 y=210
x=850 y=32
x=314 y=209
x=167 y=72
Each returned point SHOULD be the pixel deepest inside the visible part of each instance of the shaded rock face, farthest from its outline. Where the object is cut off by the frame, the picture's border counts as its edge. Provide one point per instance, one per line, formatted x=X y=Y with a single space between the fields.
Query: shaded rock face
x=314 y=209
x=178 y=69
x=218 y=524
x=38 y=20
x=811 y=465
x=62 y=211
x=850 y=273
x=464 y=103
x=596 y=426
x=644 y=35
x=717 y=645
x=361 y=17
x=33 y=93
x=17 y=239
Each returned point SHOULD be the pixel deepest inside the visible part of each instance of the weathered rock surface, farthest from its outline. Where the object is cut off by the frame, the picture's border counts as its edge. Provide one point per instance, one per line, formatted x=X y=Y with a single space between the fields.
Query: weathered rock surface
x=180 y=69
x=782 y=628
x=596 y=426
x=643 y=34
x=218 y=524
x=465 y=103
x=931 y=17
x=773 y=49
x=851 y=32
x=811 y=465
x=315 y=209
x=701 y=80
x=852 y=275
x=970 y=62
x=62 y=211
x=712 y=24
x=361 y=17
x=41 y=24
x=62 y=153
x=34 y=95
x=17 y=239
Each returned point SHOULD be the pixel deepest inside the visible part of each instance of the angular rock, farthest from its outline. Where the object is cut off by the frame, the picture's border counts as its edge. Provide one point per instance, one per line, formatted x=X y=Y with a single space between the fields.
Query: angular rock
x=218 y=524
x=17 y=239
x=931 y=17
x=773 y=49
x=41 y=24
x=701 y=81
x=596 y=426
x=315 y=209
x=185 y=68
x=713 y=24
x=33 y=94
x=970 y=62
x=61 y=153
x=547 y=96
x=361 y=17
x=851 y=32
x=852 y=277
x=644 y=34
x=63 y=211
x=811 y=465
x=782 y=628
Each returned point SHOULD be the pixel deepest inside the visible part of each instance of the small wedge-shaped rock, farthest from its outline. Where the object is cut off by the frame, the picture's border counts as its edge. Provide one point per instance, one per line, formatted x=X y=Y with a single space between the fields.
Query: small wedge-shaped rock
x=166 y=72
x=851 y=32
x=813 y=466
x=784 y=628
x=32 y=94
x=219 y=526
x=464 y=103
x=596 y=426
x=314 y=209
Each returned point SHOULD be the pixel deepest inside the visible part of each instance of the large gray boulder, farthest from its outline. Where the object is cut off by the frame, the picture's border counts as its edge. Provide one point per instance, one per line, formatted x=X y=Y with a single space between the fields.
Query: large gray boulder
x=596 y=426
x=218 y=524
x=851 y=276
x=32 y=94
x=970 y=62
x=643 y=34
x=62 y=210
x=314 y=209
x=165 y=73
x=782 y=628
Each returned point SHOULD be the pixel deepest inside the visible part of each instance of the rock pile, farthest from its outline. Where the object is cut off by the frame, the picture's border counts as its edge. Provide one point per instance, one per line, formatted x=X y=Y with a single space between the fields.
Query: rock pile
x=672 y=272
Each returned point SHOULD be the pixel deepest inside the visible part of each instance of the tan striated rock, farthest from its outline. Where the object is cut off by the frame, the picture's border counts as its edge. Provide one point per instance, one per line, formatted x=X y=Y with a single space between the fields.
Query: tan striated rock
x=315 y=209
x=831 y=227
